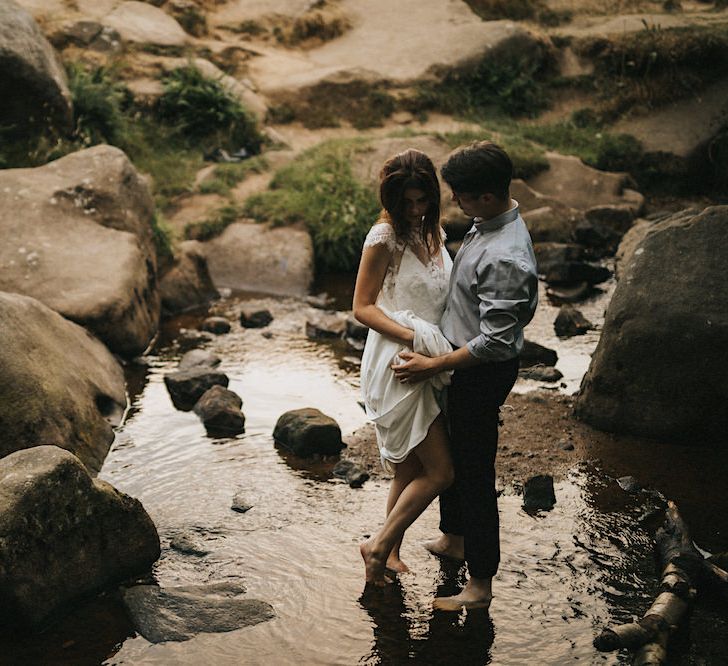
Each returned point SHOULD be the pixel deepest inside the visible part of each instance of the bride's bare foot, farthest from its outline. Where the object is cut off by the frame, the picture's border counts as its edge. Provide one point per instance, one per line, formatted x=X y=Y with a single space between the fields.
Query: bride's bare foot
x=395 y=565
x=476 y=594
x=373 y=565
x=447 y=545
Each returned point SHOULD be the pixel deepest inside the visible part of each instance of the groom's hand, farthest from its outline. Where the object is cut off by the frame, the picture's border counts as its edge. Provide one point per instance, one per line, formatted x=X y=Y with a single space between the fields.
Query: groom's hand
x=416 y=368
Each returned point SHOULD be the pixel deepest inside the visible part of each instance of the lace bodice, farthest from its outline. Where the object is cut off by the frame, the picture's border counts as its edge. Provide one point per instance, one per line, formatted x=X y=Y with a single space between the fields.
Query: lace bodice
x=412 y=283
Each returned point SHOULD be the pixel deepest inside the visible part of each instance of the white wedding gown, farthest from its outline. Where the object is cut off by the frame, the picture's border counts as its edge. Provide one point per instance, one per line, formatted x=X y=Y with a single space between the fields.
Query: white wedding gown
x=413 y=294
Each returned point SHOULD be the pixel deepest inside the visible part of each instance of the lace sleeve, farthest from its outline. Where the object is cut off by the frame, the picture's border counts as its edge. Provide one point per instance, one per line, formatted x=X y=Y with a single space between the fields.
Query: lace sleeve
x=381 y=234
x=443 y=235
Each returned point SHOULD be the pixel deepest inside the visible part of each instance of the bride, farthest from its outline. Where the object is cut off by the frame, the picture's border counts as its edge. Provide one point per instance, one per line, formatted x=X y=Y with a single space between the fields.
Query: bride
x=400 y=295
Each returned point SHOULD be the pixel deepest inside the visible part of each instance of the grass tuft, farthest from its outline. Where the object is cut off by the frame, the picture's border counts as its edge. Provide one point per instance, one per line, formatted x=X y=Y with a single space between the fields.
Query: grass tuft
x=203 y=110
x=319 y=190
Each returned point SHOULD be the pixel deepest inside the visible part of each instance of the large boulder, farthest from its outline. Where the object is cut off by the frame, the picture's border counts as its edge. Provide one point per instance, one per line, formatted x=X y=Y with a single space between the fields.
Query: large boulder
x=64 y=536
x=252 y=257
x=78 y=237
x=187 y=284
x=59 y=384
x=660 y=369
x=32 y=81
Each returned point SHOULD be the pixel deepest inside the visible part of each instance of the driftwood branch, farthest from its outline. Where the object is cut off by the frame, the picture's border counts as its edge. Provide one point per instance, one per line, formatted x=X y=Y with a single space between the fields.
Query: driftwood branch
x=684 y=570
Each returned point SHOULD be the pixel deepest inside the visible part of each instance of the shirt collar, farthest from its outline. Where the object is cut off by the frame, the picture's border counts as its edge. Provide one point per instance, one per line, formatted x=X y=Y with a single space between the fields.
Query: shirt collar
x=481 y=225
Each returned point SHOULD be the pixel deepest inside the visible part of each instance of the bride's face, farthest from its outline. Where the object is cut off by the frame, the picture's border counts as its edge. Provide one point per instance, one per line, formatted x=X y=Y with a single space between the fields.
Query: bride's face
x=416 y=204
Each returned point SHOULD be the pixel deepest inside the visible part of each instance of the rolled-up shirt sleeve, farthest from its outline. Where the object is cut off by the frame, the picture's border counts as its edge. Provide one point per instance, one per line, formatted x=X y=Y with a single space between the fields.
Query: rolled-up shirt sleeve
x=505 y=290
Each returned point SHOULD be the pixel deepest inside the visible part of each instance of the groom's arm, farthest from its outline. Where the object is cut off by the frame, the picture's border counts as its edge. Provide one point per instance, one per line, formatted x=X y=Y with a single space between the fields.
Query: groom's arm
x=503 y=291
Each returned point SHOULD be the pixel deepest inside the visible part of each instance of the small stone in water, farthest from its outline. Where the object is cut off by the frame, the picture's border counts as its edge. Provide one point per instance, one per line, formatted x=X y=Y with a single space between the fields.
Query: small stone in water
x=216 y=325
x=629 y=484
x=184 y=544
x=538 y=493
x=240 y=504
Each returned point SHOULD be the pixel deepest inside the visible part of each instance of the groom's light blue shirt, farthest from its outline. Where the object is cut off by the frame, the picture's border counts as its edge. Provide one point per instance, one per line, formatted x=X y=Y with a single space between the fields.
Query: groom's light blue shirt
x=493 y=288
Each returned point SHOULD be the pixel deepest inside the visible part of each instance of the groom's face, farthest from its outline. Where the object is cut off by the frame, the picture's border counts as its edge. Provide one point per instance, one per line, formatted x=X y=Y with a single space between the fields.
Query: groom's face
x=473 y=205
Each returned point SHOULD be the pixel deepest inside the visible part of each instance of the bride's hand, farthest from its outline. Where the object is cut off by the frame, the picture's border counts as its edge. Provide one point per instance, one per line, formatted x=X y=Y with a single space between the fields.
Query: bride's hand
x=416 y=368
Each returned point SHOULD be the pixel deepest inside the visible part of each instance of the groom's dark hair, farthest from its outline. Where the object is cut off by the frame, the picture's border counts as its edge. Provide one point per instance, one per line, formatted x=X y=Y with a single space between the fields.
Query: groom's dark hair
x=480 y=168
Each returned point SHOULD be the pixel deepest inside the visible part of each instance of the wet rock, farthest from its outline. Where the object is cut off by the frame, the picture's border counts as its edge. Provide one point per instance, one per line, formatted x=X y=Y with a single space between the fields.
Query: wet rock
x=653 y=372
x=307 y=432
x=355 y=344
x=64 y=535
x=551 y=224
x=540 y=373
x=219 y=410
x=549 y=255
x=352 y=473
x=538 y=493
x=569 y=293
x=77 y=235
x=216 y=325
x=255 y=318
x=179 y=613
x=321 y=301
x=32 y=81
x=600 y=240
x=536 y=354
x=276 y=261
x=629 y=484
x=186 y=545
x=59 y=385
x=617 y=218
x=354 y=329
x=186 y=387
x=240 y=503
x=325 y=325
x=190 y=339
x=570 y=322
x=352 y=360
x=577 y=271
x=187 y=284
x=198 y=358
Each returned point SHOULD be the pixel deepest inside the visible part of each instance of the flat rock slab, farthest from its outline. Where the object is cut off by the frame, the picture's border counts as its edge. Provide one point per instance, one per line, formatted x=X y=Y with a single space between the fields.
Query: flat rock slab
x=59 y=384
x=77 y=236
x=179 y=613
x=457 y=37
x=64 y=535
x=143 y=23
x=199 y=358
x=582 y=187
x=252 y=257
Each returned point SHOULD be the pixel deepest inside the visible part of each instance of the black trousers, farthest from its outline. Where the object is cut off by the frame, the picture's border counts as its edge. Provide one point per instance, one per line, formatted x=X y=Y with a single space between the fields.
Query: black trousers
x=469 y=507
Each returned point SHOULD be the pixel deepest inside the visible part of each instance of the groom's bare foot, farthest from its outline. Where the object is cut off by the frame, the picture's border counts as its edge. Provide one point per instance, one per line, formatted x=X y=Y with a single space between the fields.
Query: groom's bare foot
x=395 y=565
x=476 y=594
x=447 y=545
x=373 y=565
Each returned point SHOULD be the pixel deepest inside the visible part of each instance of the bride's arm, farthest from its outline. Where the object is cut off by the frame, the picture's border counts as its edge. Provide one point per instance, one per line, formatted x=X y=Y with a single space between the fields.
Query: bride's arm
x=369 y=280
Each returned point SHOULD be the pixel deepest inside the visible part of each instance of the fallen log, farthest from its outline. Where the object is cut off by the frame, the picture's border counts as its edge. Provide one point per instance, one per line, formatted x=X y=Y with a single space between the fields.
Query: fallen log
x=684 y=571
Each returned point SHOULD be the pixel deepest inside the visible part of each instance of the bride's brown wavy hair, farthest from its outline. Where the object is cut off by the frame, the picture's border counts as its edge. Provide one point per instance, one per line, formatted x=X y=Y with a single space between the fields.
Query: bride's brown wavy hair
x=411 y=169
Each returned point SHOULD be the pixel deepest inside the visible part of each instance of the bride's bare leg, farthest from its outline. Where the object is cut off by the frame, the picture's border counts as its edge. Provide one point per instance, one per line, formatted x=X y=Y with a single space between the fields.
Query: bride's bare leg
x=437 y=474
x=404 y=473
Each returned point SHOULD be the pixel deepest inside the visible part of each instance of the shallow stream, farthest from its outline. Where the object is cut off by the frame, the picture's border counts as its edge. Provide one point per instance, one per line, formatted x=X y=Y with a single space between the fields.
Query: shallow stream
x=564 y=575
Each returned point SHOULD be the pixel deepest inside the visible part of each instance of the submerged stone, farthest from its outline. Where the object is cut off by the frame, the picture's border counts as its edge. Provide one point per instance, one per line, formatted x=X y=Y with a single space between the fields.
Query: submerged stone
x=179 y=613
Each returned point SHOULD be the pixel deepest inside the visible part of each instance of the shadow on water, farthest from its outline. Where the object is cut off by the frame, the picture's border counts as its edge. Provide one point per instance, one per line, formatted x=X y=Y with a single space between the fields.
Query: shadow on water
x=564 y=574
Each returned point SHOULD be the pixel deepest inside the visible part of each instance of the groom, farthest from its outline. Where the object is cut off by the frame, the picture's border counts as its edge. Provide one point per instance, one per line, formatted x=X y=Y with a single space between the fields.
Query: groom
x=492 y=296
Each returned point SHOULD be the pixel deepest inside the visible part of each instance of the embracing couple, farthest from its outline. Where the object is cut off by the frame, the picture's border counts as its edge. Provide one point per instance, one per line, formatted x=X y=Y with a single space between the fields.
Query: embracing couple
x=442 y=354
